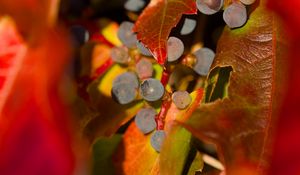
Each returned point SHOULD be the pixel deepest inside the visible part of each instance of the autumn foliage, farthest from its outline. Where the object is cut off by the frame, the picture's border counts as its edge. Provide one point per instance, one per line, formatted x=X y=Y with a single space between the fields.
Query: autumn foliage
x=58 y=116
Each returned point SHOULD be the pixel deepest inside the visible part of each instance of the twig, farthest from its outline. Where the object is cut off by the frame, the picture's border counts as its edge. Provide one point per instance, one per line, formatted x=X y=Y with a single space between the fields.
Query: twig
x=212 y=162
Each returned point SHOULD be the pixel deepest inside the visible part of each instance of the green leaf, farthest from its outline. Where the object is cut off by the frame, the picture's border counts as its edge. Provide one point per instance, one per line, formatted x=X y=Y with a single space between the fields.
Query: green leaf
x=178 y=144
x=103 y=149
x=197 y=164
x=217 y=83
x=175 y=151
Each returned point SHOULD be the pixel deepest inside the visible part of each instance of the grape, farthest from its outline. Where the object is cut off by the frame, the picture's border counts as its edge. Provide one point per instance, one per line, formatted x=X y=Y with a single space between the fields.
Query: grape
x=127 y=77
x=145 y=120
x=205 y=57
x=247 y=2
x=209 y=7
x=134 y=5
x=124 y=88
x=120 y=55
x=181 y=99
x=157 y=139
x=235 y=15
x=126 y=35
x=123 y=93
x=175 y=49
x=143 y=50
x=144 y=68
x=188 y=26
x=79 y=34
x=151 y=89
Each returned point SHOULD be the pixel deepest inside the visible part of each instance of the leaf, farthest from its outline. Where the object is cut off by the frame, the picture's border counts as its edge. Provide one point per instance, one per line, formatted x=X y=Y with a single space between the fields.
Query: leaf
x=197 y=164
x=286 y=141
x=178 y=144
x=156 y=21
x=34 y=122
x=136 y=156
x=103 y=149
x=31 y=16
x=12 y=53
x=240 y=124
x=109 y=30
x=217 y=83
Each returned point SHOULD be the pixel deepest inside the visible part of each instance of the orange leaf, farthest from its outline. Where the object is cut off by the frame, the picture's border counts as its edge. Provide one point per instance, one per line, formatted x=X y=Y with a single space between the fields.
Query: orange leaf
x=135 y=154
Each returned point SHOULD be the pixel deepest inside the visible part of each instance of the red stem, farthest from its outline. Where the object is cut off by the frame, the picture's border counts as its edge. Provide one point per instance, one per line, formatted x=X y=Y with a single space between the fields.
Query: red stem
x=165 y=77
x=100 y=38
x=160 y=118
x=102 y=69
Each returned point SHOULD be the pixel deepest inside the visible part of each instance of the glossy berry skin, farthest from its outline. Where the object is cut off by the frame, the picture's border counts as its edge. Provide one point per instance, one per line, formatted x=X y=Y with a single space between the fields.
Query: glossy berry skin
x=144 y=68
x=209 y=7
x=123 y=93
x=188 y=27
x=157 y=139
x=204 y=60
x=120 y=55
x=181 y=99
x=134 y=5
x=124 y=88
x=127 y=78
x=235 y=15
x=145 y=120
x=175 y=48
x=247 y=2
x=151 y=89
x=126 y=35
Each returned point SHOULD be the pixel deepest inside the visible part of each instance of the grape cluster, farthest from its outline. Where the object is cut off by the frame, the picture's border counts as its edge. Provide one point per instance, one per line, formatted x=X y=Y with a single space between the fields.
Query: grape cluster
x=150 y=89
x=138 y=82
x=234 y=15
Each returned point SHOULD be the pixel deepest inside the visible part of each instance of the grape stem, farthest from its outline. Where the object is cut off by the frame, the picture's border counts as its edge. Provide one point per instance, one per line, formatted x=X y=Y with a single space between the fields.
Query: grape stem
x=102 y=69
x=96 y=37
x=166 y=103
x=160 y=117
x=165 y=77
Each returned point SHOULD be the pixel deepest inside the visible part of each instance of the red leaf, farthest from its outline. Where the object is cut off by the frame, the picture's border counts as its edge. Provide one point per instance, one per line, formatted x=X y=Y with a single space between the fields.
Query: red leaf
x=12 y=53
x=34 y=132
x=287 y=139
x=31 y=16
x=241 y=123
x=155 y=23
